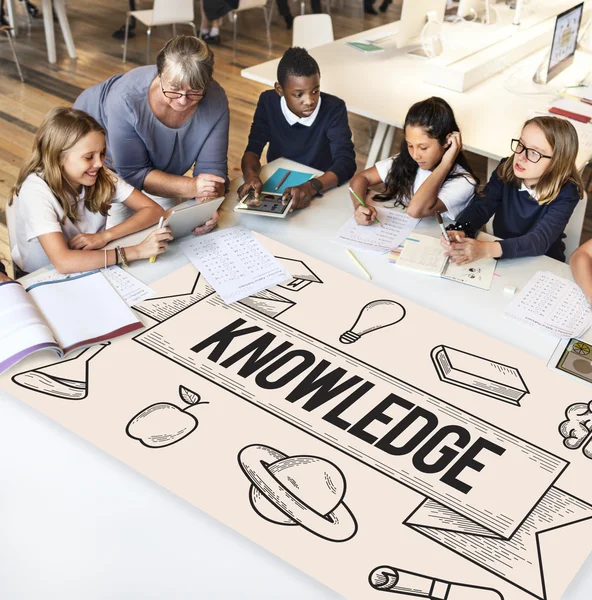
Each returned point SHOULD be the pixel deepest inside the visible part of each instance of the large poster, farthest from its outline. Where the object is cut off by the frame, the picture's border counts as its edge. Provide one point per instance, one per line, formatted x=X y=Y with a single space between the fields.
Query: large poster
x=376 y=445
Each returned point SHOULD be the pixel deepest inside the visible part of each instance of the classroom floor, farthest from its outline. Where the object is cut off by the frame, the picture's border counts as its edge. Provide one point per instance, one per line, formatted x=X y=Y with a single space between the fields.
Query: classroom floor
x=23 y=106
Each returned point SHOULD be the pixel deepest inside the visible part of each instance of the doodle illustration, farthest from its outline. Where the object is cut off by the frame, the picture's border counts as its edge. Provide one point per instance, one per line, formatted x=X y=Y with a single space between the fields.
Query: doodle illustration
x=164 y=307
x=375 y=315
x=480 y=375
x=515 y=558
x=298 y=490
x=67 y=378
x=302 y=275
x=577 y=430
x=164 y=424
x=576 y=360
x=397 y=581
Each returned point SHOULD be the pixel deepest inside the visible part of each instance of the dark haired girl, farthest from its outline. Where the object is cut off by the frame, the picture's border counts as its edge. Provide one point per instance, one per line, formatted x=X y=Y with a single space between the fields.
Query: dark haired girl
x=430 y=174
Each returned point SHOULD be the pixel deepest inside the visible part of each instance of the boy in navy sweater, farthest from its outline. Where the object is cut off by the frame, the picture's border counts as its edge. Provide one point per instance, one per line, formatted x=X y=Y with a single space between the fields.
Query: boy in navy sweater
x=302 y=124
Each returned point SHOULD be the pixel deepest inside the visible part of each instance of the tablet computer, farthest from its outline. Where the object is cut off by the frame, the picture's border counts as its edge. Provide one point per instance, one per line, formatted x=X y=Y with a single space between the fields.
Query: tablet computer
x=270 y=205
x=184 y=219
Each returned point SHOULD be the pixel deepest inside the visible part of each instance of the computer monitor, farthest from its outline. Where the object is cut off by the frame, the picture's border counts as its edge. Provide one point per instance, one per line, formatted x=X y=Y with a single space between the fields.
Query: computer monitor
x=565 y=40
x=414 y=16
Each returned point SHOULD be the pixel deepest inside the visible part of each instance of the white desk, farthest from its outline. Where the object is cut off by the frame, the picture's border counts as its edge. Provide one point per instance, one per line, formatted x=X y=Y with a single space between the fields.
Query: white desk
x=75 y=523
x=47 y=8
x=382 y=86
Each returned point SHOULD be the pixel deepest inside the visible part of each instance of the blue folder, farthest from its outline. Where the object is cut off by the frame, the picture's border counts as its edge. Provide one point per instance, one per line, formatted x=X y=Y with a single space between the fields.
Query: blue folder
x=294 y=178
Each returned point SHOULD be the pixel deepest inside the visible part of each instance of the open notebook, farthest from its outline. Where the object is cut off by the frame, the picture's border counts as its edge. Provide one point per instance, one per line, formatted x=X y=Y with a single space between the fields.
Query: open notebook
x=424 y=254
x=60 y=315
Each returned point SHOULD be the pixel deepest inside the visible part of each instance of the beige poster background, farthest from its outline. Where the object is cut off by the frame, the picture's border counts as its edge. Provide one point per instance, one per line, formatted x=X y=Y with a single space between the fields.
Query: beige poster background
x=354 y=456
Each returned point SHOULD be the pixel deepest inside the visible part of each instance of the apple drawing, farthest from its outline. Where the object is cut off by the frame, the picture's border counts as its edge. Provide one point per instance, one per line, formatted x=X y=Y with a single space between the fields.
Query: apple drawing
x=163 y=424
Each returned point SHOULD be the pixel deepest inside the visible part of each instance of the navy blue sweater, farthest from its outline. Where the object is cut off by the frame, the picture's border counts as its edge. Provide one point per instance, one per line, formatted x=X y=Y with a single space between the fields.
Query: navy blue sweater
x=528 y=228
x=326 y=145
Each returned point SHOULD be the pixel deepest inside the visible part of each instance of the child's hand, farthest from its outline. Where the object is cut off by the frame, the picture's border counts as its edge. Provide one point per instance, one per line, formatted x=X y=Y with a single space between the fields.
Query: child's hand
x=301 y=196
x=455 y=236
x=208 y=186
x=89 y=241
x=253 y=184
x=156 y=243
x=466 y=250
x=208 y=226
x=454 y=142
x=364 y=215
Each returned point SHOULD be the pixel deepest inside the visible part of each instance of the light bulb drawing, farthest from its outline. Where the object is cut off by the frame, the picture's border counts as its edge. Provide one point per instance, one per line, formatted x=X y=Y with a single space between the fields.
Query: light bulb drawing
x=377 y=314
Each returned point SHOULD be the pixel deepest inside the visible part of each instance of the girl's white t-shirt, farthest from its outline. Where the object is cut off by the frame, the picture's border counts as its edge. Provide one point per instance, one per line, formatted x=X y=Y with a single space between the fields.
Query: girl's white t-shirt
x=36 y=211
x=455 y=193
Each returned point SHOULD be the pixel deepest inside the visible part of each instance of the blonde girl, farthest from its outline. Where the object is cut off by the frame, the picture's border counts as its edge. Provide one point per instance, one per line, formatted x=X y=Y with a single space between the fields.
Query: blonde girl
x=532 y=195
x=59 y=206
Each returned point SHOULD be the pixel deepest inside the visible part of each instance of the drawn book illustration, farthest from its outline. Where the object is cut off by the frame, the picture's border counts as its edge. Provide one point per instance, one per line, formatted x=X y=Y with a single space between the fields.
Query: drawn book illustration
x=61 y=315
x=424 y=254
x=479 y=375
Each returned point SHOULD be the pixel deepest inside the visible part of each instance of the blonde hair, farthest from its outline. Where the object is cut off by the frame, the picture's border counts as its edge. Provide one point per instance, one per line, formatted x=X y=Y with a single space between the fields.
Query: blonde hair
x=563 y=139
x=61 y=129
x=189 y=61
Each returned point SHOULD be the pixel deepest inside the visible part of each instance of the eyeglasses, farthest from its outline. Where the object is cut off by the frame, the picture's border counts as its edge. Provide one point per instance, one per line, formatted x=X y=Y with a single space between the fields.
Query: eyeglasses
x=531 y=155
x=191 y=96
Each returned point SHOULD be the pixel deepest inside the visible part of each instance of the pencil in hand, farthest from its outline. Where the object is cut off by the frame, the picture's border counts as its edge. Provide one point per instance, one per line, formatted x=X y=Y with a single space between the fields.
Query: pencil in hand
x=362 y=203
x=160 y=223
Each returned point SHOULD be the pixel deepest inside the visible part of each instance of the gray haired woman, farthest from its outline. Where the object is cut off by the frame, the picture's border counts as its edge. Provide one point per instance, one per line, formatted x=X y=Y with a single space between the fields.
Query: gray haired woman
x=161 y=120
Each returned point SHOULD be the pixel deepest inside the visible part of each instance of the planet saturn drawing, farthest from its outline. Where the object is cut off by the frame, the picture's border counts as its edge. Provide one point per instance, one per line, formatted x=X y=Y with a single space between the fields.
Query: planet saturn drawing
x=298 y=490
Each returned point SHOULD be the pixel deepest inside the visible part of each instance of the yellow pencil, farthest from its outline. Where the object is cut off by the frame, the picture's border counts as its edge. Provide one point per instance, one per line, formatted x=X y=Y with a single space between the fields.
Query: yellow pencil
x=358 y=263
x=153 y=258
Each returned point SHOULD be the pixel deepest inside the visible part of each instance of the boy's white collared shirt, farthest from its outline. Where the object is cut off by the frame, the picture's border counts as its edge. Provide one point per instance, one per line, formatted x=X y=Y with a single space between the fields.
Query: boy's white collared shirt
x=293 y=119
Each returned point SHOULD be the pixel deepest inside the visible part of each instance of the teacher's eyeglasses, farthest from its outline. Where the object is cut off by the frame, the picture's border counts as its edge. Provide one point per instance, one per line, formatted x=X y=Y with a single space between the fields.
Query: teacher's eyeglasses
x=531 y=155
x=192 y=96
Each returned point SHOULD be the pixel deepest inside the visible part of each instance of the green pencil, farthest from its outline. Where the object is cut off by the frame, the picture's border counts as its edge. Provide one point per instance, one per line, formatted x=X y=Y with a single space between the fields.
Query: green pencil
x=363 y=203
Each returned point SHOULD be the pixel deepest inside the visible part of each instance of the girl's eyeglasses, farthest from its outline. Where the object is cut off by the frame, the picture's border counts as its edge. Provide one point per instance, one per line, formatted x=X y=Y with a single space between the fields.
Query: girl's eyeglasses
x=531 y=155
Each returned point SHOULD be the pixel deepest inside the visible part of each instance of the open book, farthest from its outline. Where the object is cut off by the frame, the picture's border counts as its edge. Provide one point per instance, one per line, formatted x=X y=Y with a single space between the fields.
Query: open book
x=61 y=315
x=424 y=254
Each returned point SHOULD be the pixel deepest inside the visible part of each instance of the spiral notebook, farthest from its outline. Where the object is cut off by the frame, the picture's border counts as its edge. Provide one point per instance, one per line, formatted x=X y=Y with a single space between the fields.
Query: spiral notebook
x=424 y=254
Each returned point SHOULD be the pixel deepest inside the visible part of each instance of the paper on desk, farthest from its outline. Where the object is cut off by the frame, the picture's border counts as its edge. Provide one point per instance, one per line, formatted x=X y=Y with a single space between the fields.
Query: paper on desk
x=131 y=289
x=552 y=304
x=234 y=263
x=396 y=226
x=574 y=106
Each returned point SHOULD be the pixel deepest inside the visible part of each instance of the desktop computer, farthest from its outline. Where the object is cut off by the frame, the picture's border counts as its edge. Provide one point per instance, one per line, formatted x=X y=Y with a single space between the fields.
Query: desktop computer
x=414 y=17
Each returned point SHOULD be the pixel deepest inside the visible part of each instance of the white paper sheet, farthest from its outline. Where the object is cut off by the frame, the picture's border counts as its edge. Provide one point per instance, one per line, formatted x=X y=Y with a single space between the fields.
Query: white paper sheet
x=131 y=289
x=424 y=254
x=553 y=304
x=396 y=226
x=234 y=263
x=478 y=274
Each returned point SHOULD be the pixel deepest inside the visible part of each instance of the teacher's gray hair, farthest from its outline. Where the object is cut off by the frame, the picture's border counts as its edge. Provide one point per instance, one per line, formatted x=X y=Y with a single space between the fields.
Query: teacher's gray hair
x=188 y=61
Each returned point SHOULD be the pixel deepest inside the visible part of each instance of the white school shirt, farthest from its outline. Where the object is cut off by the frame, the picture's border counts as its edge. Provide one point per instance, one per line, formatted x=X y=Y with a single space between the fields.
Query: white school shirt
x=455 y=193
x=36 y=211
x=293 y=119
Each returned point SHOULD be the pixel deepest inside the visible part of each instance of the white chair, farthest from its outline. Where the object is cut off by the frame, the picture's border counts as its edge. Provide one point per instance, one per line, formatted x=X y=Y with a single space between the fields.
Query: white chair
x=7 y=31
x=312 y=30
x=573 y=231
x=248 y=5
x=164 y=12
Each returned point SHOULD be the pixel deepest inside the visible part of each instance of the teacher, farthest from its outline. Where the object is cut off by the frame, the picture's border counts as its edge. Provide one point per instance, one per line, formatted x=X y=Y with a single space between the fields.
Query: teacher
x=160 y=120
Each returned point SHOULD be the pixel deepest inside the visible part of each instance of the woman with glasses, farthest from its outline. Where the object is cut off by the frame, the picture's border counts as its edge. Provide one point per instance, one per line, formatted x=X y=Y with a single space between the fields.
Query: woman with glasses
x=161 y=120
x=530 y=196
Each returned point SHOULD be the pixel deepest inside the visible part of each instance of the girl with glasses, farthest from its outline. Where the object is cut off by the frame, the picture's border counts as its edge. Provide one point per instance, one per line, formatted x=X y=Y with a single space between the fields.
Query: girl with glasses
x=531 y=196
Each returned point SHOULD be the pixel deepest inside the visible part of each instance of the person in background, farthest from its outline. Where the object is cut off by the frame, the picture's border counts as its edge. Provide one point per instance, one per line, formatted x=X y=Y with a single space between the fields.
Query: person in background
x=303 y=124
x=58 y=211
x=531 y=197
x=430 y=174
x=31 y=9
x=164 y=119
x=120 y=33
